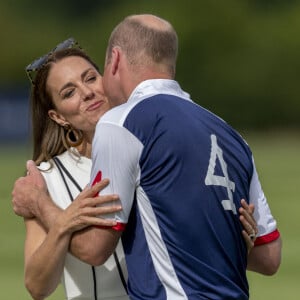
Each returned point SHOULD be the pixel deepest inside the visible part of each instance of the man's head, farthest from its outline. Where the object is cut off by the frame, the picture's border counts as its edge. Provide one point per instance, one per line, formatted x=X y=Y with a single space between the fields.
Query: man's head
x=141 y=47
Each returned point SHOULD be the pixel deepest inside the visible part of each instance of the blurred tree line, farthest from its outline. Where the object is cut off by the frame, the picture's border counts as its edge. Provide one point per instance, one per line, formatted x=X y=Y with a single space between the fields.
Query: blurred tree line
x=238 y=58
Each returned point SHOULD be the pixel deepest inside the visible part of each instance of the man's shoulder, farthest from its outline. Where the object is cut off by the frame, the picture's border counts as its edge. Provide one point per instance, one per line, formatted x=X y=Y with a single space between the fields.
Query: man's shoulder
x=118 y=114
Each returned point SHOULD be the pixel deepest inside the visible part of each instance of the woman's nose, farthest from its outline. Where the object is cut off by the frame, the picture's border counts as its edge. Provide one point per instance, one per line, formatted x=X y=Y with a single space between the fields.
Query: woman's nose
x=87 y=93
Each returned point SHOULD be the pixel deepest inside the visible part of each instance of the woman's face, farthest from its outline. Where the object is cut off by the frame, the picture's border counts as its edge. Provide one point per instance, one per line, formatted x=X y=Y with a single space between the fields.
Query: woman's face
x=77 y=92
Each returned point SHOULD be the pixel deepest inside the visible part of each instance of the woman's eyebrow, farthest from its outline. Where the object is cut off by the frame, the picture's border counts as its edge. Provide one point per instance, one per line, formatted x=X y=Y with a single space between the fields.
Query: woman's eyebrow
x=70 y=84
x=85 y=72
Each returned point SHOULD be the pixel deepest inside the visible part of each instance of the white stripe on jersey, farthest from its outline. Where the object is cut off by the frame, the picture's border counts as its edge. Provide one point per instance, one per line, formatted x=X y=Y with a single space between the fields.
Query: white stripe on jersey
x=262 y=213
x=159 y=253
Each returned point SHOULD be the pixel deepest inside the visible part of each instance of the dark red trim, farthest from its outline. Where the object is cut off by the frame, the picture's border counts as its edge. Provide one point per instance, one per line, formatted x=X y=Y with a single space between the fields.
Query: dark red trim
x=117 y=227
x=264 y=239
x=96 y=180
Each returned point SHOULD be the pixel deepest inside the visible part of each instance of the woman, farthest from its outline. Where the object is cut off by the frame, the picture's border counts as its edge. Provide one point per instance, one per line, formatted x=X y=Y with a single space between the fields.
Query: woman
x=67 y=102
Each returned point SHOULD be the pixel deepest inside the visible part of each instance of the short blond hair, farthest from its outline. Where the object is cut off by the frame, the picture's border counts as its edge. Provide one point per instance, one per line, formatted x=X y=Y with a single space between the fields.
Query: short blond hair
x=146 y=39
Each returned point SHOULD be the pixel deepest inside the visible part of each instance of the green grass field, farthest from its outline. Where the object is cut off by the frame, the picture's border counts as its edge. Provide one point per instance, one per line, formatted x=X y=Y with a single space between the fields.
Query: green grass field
x=277 y=158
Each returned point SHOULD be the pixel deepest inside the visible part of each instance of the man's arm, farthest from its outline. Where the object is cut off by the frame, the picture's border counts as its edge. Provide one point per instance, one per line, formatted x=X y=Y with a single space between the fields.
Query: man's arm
x=31 y=199
x=263 y=258
x=266 y=258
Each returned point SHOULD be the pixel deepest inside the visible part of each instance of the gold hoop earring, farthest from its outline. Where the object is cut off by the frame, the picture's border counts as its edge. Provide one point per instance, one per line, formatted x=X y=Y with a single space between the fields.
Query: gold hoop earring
x=73 y=137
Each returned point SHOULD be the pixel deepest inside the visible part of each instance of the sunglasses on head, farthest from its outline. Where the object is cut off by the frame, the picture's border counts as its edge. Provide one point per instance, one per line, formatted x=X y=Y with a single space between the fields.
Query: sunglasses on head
x=41 y=61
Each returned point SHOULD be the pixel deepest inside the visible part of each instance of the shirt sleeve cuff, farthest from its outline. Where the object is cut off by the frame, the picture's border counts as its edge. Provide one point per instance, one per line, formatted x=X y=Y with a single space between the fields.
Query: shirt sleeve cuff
x=118 y=227
x=264 y=239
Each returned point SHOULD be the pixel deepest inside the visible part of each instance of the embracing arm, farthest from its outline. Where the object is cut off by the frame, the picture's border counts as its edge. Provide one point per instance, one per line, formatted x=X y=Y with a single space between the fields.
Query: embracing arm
x=44 y=258
x=86 y=240
x=45 y=252
x=31 y=199
x=265 y=258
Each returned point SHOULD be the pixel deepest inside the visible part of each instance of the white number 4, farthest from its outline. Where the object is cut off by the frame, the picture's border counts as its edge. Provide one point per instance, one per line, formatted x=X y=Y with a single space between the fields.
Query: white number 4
x=212 y=179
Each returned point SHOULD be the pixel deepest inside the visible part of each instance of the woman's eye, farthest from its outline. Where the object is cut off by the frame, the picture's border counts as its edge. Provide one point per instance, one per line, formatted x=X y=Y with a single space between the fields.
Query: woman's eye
x=91 y=78
x=68 y=94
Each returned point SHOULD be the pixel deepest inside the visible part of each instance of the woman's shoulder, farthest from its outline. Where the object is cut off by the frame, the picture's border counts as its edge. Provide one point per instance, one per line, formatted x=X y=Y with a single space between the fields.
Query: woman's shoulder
x=70 y=158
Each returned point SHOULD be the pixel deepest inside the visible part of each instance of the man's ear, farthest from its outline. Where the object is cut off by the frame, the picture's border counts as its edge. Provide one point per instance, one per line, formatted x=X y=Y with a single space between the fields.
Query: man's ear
x=115 y=60
x=56 y=117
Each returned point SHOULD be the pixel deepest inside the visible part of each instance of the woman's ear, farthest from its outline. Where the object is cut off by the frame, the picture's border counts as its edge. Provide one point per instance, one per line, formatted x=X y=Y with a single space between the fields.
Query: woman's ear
x=56 y=117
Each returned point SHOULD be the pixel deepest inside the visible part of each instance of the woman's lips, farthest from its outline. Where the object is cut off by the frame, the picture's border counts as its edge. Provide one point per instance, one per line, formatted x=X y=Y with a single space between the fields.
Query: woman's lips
x=94 y=105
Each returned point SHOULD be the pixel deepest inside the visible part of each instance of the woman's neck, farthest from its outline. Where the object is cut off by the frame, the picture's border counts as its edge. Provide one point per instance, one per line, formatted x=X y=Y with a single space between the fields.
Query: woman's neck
x=85 y=149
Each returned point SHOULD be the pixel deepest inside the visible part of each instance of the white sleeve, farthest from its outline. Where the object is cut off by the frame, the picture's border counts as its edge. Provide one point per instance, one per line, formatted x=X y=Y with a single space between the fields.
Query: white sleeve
x=116 y=153
x=262 y=213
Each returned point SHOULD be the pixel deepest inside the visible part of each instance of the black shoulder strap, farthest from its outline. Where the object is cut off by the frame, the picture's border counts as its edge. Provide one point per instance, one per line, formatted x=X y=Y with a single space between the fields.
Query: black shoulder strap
x=120 y=271
x=62 y=169
x=58 y=164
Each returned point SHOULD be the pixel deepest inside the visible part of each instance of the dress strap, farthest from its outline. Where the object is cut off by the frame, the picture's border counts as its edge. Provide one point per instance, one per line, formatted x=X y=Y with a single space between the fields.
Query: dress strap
x=62 y=169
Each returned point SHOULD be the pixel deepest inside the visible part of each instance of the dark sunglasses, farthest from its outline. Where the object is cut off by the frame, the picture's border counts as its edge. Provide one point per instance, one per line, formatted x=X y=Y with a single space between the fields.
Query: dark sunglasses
x=41 y=61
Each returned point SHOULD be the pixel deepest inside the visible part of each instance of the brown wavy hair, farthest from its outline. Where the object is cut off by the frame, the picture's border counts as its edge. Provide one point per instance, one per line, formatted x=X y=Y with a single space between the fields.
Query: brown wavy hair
x=47 y=135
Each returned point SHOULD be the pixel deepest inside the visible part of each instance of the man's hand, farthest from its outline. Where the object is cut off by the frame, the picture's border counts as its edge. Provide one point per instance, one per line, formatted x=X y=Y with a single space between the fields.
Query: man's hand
x=30 y=198
x=27 y=190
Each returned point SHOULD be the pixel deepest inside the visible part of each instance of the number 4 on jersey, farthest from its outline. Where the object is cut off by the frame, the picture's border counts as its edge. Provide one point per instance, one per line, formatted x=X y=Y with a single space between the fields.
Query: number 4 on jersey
x=212 y=179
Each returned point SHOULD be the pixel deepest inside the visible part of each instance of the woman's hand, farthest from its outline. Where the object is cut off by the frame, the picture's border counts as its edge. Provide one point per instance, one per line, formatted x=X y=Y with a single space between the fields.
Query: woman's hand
x=86 y=209
x=250 y=226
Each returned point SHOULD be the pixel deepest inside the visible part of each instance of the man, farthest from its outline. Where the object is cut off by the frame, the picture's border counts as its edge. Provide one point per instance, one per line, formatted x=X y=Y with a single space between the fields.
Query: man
x=179 y=172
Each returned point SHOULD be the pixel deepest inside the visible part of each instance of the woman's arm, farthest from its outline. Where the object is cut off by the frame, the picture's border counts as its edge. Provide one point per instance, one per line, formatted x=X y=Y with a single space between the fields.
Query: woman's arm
x=44 y=257
x=45 y=252
x=30 y=198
